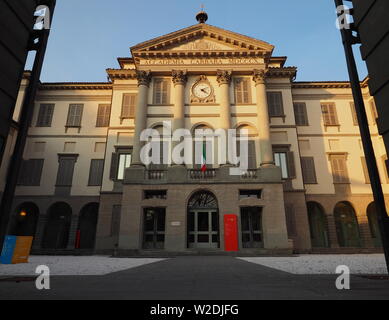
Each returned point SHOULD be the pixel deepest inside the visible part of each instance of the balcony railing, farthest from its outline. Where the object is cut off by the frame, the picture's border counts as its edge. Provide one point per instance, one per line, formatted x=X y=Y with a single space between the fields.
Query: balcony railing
x=155 y=174
x=198 y=174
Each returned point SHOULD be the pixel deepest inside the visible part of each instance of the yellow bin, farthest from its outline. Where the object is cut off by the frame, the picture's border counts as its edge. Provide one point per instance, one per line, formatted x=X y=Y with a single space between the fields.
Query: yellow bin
x=22 y=250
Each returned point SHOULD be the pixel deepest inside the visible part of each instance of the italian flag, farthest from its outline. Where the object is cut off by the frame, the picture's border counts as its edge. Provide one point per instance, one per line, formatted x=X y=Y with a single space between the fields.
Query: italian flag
x=204 y=158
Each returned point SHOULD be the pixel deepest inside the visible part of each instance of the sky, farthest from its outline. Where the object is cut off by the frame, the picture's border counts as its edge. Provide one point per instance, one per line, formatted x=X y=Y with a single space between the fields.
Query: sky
x=87 y=36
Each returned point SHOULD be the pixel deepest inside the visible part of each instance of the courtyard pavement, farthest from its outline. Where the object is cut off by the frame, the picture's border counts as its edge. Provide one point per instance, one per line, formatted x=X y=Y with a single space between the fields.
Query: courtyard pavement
x=193 y=278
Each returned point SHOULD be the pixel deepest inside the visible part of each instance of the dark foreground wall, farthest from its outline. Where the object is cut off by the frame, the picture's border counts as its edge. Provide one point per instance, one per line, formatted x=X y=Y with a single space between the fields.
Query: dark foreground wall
x=372 y=20
x=16 y=25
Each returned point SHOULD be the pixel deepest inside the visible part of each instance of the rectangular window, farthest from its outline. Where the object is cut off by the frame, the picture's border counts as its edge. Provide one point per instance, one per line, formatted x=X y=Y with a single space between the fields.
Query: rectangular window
x=31 y=172
x=330 y=117
x=75 y=116
x=161 y=91
x=128 y=106
x=103 y=115
x=339 y=168
x=384 y=163
x=65 y=171
x=300 y=113
x=242 y=91
x=285 y=160
x=244 y=194
x=354 y=113
x=309 y=171
x=281 y=161
x=155 y=194
x=276 y=106
x=122 y=162
x=45 y=115
x=96 y=172
x=365 y=171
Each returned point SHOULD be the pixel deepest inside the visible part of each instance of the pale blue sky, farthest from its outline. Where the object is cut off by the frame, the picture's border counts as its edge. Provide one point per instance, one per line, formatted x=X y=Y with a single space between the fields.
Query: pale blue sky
x=88 y=35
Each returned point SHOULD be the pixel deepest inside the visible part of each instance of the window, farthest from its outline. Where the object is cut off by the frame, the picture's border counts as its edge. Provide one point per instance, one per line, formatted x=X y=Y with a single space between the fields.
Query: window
x=374 y=112
x=309 y=171
x=161 y=91
x=300 y=113
x=121 y=160
x=251 y=156
x=128 y=106
x=244 y=194
x=96 y=172
x=330 y=117
x=66 y=170
x=74 y=116
x=285 y=160
x=385 y=164
x=155 y=194
x=276 y=106
x=45 y=115
x=339 y=168
x=242 y=91
x=31 y=172
x=365 y=171
x=354 y=113
x=103 y=115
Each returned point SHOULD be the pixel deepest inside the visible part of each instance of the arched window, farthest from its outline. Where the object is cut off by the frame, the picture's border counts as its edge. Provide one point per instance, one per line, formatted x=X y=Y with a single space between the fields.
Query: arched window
x=347 y=225
x=57 y=229
x=87 y=224
x=203 y=148
x=318 y=225
x=373 y=224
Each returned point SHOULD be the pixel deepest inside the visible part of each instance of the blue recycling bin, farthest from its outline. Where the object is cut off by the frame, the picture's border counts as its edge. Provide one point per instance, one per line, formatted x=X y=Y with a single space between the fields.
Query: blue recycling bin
x=8 y=250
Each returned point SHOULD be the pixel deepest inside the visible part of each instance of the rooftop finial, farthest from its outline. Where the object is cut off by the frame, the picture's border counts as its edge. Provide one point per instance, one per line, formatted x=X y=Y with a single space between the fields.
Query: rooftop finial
x=202 y=16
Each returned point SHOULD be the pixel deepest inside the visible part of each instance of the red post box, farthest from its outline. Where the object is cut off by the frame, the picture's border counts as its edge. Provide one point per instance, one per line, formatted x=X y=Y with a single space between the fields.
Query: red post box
x=231 y=232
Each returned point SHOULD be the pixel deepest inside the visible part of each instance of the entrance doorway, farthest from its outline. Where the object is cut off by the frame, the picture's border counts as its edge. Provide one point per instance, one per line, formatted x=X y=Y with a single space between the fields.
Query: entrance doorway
x=154 y=228
x=203 y=221
x=373 y=224
x=26 y=220
x=251 y=222
x=87 y=225
x=347 y=225
x=318 y=225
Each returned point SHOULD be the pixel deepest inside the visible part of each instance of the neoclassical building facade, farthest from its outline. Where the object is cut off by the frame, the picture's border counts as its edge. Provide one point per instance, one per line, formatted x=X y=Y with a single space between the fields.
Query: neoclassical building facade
x=83 y=185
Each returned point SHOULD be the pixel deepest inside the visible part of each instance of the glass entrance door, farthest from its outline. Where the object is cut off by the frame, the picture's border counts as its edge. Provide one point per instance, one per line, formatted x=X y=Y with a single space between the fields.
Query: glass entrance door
x=251 y=227
x=203 y=229
x=154 y=228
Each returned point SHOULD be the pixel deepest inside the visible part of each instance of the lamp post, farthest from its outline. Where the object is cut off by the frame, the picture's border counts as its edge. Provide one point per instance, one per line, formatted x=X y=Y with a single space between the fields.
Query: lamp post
x=349 y=40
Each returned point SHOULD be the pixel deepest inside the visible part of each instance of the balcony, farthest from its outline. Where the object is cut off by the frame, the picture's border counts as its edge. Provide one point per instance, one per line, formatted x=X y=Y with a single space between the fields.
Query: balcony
x=183 y=175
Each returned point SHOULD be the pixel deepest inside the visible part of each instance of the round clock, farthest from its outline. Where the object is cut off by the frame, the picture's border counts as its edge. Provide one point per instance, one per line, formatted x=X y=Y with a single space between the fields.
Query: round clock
x=202 y=90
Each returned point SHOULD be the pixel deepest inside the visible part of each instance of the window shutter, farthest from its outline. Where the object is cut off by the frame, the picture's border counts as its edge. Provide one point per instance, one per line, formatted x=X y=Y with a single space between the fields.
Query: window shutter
x=165 y=91
x=65 y=172
x=128 y=106
x=36 y=167
x=75 y=115
x=276 y=108
x=96 y=172
x=103 y=115
x=339 y=169
x=246 y=91
x=329 y=114
x=365 y=171
x=22 y=172
x=308 y=168
x=300 y=112
x=238 y=91
x=157 y=91
x=114 y=166
x=45 y=115
x=354 y=113
x=291 y=165
x=374 y=111
x=252 y=159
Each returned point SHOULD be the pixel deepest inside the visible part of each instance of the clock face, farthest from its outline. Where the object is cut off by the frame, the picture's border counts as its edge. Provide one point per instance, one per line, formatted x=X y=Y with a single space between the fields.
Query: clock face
x=202 y=90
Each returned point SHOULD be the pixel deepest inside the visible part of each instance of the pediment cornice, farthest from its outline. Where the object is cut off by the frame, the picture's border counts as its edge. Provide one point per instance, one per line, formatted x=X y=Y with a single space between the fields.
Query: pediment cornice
x=217 y=42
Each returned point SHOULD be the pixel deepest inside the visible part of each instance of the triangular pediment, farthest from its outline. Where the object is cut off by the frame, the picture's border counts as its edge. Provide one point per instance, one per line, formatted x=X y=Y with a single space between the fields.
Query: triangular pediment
x=203 y=37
